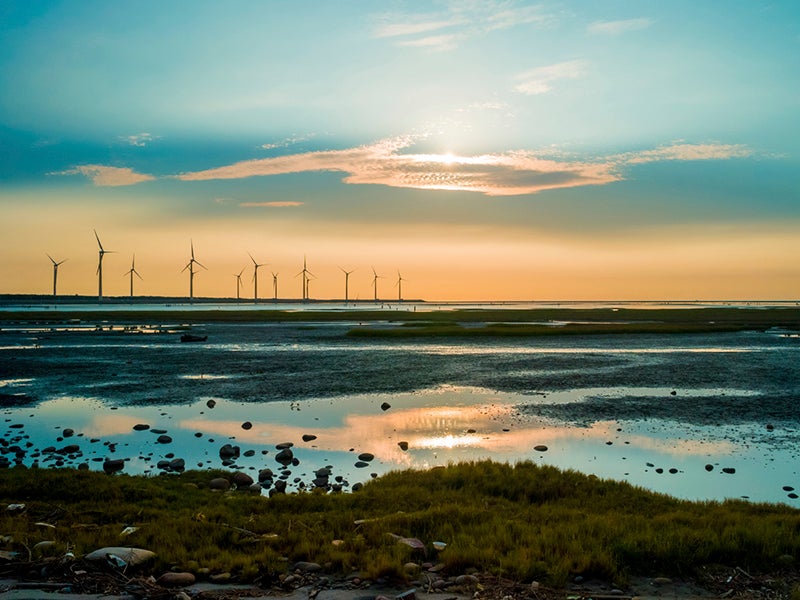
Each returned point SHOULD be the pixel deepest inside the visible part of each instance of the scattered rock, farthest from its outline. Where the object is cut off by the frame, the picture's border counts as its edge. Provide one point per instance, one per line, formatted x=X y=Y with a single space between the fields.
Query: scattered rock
x=403 y=446
x=729 y=470
x=131 y=556
x=229 y=451
x=309 y=437
x=788 y=488
x=220 y=483
x=385 y=406
x=211 y=403
x=171 y=580
x=242 y=480
x=68 y=432
x=540 y=448
x=709 y=467
x=141 y=427
x=220 y=577
x=164 y=439
x=366 y=456
x=307 y=567
x=285 y=456
x=284 y=445
x=265 y=475
x=177 y=464
x=661 y=581
x=114 y=465
x=361 y=464
x=247 y=425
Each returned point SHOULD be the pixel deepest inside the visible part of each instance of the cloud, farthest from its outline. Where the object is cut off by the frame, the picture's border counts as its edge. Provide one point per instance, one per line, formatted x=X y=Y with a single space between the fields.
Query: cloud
x=278 y=204
x=537 y=81
x=140 y=139
x=462 y=19
x=382 y=163
x=286 y=142
x=618 y=27
x=687 y=152
x=105 y=176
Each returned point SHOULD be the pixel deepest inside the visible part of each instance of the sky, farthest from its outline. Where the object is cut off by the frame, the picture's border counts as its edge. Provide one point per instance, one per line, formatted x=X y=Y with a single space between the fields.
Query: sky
x=482 y=150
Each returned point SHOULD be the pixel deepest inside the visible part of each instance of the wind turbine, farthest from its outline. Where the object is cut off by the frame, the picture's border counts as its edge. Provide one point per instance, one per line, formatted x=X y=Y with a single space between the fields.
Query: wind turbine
x=255 y=276
x=305 y=273
x=55 y=272
x=132 y=272
x=190 y=266
x=399 y=285
x=346 y=284
x=238 y=281
x=102 y=253
x=275 y=287
x=375 y=278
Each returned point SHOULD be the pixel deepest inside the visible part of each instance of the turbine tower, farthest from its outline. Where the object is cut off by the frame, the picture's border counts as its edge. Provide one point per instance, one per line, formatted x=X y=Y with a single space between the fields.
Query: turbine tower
x=132 y=272
x=346 y=284
x=274 y=287
x=306 y=274
x=238 y=281
x=102 y=252
x=190 y=265
x=255 y=276
x=55 y=272
x=375 y=278
x=399 y=285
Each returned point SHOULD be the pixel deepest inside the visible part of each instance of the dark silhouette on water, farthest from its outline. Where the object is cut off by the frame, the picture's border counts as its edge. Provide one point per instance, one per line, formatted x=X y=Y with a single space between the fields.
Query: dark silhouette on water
x=132 y=271
x=101 y=253
x=55 y=272
x=190 y=266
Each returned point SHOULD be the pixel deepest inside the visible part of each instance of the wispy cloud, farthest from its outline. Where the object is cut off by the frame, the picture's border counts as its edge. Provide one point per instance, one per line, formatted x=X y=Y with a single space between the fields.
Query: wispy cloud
x=619 y=27
x=461 y=20
x=105 y=176
x=538 y=81
x=684 y=151
x=140 y=139
x=275 y=204
x=286 y=142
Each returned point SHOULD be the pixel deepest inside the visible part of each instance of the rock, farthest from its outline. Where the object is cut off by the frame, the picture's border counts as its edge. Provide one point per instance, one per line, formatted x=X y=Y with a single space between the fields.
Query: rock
x=265 y=475
x=69 y=449
x=673 y=470
x=466 y=580
x=357 y=486
x=211 y=403
x=361 y=464
x=242 y=480
x=729 y=470
x=709 y=467
x=309 y=437
x=131 y=556
x=220 y=577
x=788 y=488
x=411 y=568
x=792 y=495
x=158 y=431
x=220 y=483
x=68 y=432
x=403 y=446
x=141 y=427
x=770 y=426
x=164 y=439
x=661 y=581
x=279 y=487
x=366 y=456
x=285 y=456
x=385 y=406
x=284 y=445
x=250 y=453
x=247 y=425
x=229 y=451
x=177 y=464
x=171 y=579
x=307 y=567
x=540 y=448
x=113 y=466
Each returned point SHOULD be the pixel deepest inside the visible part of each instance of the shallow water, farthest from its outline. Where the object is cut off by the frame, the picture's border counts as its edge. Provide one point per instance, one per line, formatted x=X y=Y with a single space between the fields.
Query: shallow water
x=622 y=407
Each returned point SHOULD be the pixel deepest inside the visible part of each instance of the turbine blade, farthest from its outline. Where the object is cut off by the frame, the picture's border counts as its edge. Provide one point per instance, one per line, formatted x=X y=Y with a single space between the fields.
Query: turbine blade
x=98 y=239
x=191 y=245
x=51 y=258
x=201 y=264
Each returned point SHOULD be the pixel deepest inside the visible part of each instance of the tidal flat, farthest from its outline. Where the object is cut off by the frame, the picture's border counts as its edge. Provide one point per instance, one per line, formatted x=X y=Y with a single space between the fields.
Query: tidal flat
x=706 y=415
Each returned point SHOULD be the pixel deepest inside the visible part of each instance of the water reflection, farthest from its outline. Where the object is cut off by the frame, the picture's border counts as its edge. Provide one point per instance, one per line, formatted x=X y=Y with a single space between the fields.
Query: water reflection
x=422 y=429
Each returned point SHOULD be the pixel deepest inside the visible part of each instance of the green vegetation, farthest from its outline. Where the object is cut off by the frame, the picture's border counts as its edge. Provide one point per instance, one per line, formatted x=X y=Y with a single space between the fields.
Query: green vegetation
x=463 y=323
x=522 y=522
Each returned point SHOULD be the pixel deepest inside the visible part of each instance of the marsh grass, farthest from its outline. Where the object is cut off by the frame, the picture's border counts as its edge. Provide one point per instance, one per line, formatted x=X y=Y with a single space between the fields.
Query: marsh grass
x=523 y=522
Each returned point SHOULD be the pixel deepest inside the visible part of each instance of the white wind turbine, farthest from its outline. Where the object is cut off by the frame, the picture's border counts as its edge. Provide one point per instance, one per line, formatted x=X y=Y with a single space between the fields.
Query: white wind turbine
x=190 y=265
x=255 y=276
x=346 y=284
x=102 y=252
x=55 y=272
x=132 y=271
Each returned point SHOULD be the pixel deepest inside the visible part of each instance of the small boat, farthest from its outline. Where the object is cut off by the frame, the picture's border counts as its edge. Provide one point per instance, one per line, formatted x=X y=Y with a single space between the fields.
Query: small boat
x=189 y=337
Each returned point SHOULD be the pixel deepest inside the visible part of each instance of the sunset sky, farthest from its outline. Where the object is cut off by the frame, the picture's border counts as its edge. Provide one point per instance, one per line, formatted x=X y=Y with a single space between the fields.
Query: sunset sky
x=488 y=150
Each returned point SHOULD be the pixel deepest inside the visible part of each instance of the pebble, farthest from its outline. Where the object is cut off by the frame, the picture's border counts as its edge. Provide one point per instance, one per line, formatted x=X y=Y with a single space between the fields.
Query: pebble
x=709 y=468
x=309 y=437
x=164 y=439
x=729 y=470
x=141 y=427
x=366 y=456
x=176 y=579
x=385 y=406
x=247 y=425
x=403 y=446
x=540 y=448
x=211 y=403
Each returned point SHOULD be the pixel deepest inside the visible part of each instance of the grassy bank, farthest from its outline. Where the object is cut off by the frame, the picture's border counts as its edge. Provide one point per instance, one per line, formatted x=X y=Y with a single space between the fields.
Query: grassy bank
x=523 y=522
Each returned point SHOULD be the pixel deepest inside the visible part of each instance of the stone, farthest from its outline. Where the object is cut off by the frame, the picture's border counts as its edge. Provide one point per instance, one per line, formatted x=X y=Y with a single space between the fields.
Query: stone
x=729 y=470
x=219 y=483
x=285 y=456
x=403 y=446
x=466 y=580
x=309 y=437
x=540 y=448
x=164 y=439
x=131 y=556
x=661 y=581
x=265 y=475
x=385 y=406
x=307 y=567
x=247 y=425
x=177 y=464
x=709 y=467
x=141 y=427
x=229 y=451
x=113 y=466
x=68 y=433
x=242 y=480
x=211 y=403
x=366 y=456
x=220 y=577
x=361 y=464
x=180 y=579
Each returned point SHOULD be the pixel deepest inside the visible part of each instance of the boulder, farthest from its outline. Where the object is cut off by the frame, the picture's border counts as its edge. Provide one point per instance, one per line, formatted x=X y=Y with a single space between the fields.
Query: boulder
x=285 y=456
x=242 y=480
x=114 y=465
x=229 y=451
x=220 y=483
x=172 y=580
x=131 y=556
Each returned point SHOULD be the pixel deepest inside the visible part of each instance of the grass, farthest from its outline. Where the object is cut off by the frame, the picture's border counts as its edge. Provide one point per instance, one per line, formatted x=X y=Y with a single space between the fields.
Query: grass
x=522 y=522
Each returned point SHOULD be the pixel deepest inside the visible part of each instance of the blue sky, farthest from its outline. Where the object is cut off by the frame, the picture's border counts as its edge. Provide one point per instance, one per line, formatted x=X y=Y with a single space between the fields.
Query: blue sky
x=488 y=150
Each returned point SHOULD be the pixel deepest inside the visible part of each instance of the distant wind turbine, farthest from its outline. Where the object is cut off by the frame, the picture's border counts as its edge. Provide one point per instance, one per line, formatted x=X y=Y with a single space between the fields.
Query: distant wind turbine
x=399 y=285
x=375 y=278
x=238 y=281
x=102 y=253
x=132 y=272
x=306 y=274
x=255 y=276
x=346 y=284
x=190 y=265
x=275 y=287
x=55 y=272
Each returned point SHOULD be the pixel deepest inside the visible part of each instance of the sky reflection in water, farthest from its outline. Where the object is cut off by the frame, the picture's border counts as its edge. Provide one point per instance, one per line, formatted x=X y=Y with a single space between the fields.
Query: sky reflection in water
x=442 y=425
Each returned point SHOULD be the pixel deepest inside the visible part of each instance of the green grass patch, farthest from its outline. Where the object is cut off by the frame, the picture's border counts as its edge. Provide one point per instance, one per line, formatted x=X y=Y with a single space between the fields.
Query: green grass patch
x=523 y=522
